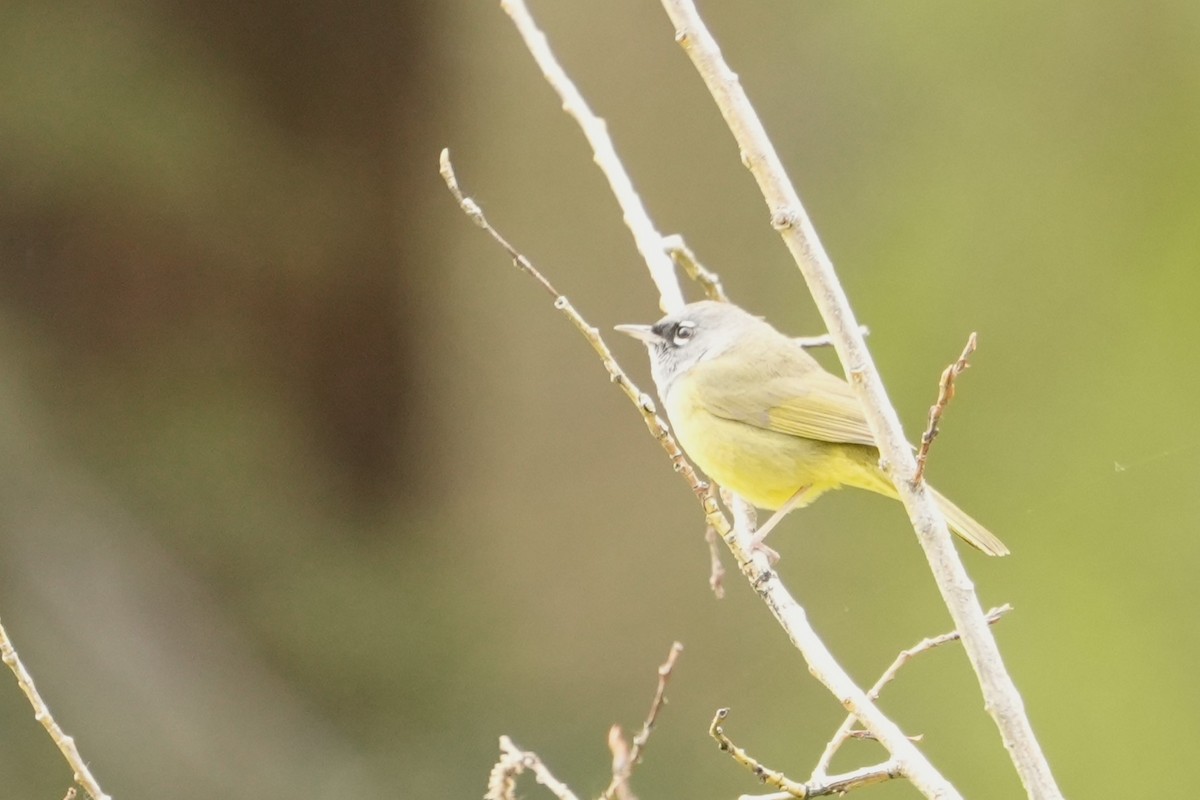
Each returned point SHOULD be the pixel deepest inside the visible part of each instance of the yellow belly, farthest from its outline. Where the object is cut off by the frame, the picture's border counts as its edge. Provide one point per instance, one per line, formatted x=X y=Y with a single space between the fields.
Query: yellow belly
x=766 y=467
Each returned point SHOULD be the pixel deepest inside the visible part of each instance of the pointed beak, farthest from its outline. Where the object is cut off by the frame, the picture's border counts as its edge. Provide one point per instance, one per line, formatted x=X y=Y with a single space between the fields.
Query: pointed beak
x=643 y=333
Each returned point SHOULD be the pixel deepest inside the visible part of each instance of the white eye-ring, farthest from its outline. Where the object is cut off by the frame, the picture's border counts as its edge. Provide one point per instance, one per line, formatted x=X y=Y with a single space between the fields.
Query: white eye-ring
x=683 y=332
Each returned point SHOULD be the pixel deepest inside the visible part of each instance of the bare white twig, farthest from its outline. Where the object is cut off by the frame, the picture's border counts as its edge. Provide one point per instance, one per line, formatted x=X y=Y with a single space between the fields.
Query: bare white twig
x=646 y=237
x=66 y=744
x=686 y=260
x=847 y=728
x=788 y=216
x=502 y=781
x=824 y=786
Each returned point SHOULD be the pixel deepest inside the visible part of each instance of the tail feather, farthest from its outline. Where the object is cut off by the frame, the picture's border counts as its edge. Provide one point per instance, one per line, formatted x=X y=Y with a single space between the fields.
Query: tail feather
x=964 y=525
x=960 y=522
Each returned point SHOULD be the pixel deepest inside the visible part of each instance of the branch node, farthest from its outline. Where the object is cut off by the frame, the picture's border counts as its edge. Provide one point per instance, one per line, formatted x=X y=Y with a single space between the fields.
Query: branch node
x=782 y=219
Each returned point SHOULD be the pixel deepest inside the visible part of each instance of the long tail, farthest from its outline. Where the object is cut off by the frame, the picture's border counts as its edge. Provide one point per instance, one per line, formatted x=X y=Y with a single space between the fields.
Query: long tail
x=960 y=521
x=965 y=526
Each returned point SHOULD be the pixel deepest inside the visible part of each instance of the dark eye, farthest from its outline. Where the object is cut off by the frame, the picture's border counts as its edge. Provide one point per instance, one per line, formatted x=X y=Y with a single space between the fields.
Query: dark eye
x=683 y=332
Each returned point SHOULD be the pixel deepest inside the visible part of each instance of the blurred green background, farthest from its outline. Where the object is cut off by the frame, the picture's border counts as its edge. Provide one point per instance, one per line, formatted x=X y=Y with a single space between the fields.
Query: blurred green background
x=307 y=492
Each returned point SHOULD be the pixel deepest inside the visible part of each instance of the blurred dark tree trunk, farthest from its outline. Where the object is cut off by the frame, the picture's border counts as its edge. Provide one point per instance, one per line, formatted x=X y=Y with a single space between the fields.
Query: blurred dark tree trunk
x=333 y=321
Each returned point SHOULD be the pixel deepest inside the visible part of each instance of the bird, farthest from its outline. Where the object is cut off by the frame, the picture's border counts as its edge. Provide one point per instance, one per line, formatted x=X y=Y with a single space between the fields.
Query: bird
x=761 y=417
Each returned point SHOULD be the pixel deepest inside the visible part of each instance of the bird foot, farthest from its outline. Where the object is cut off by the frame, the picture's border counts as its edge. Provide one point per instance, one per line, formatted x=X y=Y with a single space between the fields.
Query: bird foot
x=757 y=545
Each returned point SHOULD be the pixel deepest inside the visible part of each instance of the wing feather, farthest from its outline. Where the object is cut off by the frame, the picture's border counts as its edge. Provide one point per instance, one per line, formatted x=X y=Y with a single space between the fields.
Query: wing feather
x=791 y=394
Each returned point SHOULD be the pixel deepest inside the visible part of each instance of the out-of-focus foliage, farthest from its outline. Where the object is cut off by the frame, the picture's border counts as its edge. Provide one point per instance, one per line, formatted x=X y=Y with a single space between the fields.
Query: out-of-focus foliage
x=306 y=491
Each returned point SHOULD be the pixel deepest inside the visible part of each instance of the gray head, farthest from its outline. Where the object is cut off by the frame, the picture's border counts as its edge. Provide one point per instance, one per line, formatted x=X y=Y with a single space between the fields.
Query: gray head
x=698 y=332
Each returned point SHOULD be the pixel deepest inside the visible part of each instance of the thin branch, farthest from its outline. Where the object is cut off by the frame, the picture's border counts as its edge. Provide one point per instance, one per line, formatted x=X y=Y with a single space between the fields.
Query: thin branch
x=502 y=781
x=825 y=339
x=833 y=785
x=642 y=401
x=625 y=759
x=657 y=703
x=686 y=260
x=66 y=744
x=847 y=731
x=788 y=216
x=945 y=395
x=646 y=237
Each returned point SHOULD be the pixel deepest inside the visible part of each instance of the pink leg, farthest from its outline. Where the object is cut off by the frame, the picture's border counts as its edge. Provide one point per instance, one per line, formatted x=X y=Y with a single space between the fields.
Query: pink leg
x=793 y=503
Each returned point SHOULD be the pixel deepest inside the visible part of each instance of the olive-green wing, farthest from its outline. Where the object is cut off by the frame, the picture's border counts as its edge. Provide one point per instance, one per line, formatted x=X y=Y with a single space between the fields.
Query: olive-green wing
x=818 y=406
x=793 y=395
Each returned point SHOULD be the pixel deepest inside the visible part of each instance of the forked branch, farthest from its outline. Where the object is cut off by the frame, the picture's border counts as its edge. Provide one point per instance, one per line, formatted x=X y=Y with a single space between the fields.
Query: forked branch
x=823 y=787
x=847 y=728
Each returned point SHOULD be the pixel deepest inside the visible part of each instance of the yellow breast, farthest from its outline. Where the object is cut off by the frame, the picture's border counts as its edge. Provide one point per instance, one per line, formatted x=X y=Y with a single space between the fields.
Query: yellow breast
x=764 y=466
